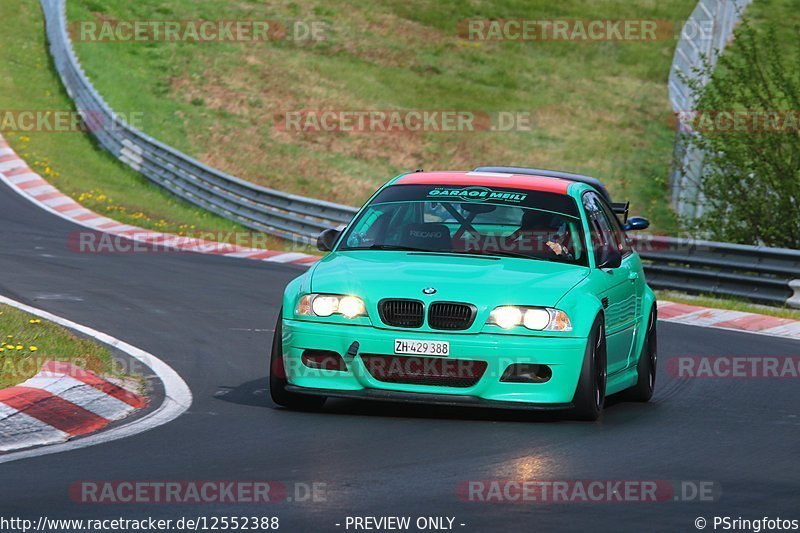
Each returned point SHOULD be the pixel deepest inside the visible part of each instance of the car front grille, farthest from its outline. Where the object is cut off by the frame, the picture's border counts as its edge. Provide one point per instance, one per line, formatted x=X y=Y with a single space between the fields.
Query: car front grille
x=433 y=371
x=401 y=313
x=451 y=316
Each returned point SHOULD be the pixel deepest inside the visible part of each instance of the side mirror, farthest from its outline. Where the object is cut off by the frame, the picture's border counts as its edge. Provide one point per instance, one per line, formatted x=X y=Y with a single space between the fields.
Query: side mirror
x=610 y=258
x=636 y=224
x=327 y=239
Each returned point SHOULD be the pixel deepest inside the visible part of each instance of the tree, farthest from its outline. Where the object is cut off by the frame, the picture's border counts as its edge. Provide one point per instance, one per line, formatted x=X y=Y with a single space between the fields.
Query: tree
x=747 y=123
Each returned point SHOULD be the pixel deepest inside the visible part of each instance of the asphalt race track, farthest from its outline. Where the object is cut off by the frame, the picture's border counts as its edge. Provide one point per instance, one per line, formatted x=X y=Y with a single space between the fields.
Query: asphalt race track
x=211 y=319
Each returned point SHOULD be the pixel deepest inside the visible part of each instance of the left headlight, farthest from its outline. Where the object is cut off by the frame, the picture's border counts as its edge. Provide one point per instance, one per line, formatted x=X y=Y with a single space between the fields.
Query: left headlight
x=324 y=305
x=533 y=318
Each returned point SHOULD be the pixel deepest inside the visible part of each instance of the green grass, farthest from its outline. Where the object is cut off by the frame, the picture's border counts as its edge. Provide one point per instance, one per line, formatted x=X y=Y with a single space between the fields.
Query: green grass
x=783 y=14
x=26 y=342
x=72 y=161
x=599 y=108
x=730 y=304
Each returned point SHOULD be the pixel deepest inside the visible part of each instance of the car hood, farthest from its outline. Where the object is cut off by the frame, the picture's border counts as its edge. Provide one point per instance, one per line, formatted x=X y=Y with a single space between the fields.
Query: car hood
x=482 y=281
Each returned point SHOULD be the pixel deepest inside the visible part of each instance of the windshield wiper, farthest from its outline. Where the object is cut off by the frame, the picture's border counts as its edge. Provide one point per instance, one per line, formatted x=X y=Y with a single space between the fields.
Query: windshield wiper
x=499 y=253
x=505 y=253
x=395 y=247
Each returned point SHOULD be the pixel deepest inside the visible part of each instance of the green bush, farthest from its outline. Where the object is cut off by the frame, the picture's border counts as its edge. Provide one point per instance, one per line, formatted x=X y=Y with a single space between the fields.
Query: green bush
x=751 y=177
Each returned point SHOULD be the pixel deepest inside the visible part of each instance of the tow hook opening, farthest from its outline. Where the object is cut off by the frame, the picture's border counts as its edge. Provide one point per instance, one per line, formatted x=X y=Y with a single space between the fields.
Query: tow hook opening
x=324 y=360
x=527 y=373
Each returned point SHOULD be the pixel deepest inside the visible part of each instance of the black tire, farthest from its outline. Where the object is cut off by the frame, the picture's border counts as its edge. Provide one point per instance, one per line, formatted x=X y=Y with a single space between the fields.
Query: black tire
x=648 y=362
x=278 y=381
x=590 y=396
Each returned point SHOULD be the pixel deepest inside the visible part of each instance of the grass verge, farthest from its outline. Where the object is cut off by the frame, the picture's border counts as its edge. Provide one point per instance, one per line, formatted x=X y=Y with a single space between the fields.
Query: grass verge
x=72 y=161
x=27 y=341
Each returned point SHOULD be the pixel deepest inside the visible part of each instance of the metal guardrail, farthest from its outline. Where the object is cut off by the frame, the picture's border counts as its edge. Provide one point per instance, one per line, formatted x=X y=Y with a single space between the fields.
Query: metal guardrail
x=274 y=212
x=758 y=274
x=703 y=37
x=754 y=273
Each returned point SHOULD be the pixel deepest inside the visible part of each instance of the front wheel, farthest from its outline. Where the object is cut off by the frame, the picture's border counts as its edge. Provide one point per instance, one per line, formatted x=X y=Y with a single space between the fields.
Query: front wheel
x=278 y=381
x=590 y=396
x=646 y=368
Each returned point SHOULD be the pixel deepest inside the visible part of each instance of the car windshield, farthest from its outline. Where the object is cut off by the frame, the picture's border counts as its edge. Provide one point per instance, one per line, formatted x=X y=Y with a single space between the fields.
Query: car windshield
x=471 y=220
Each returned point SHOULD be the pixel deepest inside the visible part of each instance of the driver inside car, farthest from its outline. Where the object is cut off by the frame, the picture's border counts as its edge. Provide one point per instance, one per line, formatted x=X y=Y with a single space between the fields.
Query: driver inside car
x=541 y=231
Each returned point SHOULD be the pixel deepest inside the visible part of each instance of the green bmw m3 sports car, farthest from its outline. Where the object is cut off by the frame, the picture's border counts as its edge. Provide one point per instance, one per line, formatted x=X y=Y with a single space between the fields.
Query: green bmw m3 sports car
x=501 y=287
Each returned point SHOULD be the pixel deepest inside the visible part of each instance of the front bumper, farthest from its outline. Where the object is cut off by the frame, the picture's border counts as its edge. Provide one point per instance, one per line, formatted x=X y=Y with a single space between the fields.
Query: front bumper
x=564 y=356
x=454 y=400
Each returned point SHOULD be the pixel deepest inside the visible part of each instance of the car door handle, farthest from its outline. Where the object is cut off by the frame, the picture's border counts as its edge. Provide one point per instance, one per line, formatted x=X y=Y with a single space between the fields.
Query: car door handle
x=633 y=276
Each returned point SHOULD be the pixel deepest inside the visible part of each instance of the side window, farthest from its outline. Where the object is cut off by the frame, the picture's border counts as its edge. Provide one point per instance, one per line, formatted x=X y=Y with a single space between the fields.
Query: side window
x=381 y=223
x=619 y=234
x=600 y=229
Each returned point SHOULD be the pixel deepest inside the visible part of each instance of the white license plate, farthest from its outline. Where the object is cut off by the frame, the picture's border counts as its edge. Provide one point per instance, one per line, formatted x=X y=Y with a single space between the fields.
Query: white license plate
x=440 y=348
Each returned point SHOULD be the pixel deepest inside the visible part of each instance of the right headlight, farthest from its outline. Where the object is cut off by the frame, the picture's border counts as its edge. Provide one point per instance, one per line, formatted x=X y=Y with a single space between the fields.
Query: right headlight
x=533 y=318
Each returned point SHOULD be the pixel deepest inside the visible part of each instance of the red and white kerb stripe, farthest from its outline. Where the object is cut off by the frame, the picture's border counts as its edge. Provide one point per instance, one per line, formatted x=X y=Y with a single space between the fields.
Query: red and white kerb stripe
x=60 y=402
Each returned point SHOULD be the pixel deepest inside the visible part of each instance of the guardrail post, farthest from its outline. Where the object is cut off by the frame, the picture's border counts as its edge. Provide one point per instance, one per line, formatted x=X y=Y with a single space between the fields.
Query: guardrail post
x=794 y=301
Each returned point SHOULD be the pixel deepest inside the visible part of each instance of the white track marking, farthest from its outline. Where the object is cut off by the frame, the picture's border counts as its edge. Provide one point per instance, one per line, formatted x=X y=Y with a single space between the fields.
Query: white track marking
x=41 y=189
x=58 y=201
x=19 y=179
x=11 y=165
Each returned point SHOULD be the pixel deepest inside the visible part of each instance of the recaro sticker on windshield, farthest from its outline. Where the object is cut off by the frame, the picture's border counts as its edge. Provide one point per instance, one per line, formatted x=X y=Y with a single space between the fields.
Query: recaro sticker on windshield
x=477 y=194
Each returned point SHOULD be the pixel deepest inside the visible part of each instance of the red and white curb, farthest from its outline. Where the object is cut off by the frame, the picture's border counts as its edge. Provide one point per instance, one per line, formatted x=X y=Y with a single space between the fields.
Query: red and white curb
x=16 y=173
x=732 y=320
x=62 y=401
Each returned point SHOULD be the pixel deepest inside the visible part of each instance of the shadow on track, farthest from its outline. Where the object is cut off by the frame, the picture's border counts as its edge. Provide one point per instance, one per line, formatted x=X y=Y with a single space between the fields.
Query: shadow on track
x=256 y=394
